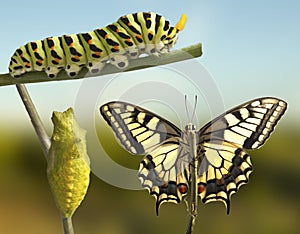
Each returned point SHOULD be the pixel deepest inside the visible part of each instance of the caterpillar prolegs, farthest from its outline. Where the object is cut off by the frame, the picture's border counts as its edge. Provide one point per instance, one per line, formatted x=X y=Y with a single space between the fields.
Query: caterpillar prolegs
x=127 y=38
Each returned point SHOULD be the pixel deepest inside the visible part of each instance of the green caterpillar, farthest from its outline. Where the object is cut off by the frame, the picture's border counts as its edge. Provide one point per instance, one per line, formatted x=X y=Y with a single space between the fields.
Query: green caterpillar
x=128 y=38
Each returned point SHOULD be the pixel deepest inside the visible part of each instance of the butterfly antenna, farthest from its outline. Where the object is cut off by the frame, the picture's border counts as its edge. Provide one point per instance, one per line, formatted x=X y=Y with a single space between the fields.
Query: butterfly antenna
x=190 y=118
x=195 y=105
x=186 y=109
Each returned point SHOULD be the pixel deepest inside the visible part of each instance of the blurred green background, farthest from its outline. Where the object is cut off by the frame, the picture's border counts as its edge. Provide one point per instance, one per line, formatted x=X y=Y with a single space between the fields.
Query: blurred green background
x=250 y=48
x=268 y=204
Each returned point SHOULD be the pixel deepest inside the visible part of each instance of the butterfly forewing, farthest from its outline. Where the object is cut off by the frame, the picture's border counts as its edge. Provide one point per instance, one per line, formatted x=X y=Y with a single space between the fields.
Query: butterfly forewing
x=248 y=125
x=138 y=130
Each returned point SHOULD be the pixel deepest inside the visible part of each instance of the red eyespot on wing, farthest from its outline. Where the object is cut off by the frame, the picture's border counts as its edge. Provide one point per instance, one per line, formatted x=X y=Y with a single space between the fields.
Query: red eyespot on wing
x=182 y=188
x=201 y=188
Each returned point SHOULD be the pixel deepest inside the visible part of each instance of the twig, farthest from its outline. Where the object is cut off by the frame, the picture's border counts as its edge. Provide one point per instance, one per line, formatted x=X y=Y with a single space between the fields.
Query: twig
x=68 y=226
x=43 y=138
x=189 y=52
x=35 y=119
x=191 y=224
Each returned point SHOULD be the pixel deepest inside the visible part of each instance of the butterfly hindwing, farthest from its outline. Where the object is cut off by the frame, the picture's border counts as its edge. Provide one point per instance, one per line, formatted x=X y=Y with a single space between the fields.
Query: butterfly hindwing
x=224 y=168
x=164 y=172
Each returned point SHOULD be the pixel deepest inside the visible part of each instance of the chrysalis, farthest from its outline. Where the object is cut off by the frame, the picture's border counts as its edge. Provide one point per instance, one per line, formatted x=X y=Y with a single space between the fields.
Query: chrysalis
x=68 y=163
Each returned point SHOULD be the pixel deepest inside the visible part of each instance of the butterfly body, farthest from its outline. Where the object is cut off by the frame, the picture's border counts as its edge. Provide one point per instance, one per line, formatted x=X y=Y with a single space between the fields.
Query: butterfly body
x=211 y=163
x=195 y=157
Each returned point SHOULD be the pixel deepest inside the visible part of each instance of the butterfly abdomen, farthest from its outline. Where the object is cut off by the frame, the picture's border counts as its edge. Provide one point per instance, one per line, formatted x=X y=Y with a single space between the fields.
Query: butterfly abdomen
x=130 y=36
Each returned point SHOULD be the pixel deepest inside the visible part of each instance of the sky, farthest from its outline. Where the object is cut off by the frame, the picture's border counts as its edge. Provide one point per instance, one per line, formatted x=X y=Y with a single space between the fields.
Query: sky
x=250 y=48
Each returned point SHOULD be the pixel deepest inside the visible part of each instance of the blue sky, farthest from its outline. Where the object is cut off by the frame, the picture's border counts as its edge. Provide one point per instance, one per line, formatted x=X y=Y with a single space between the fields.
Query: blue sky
x=251 y=48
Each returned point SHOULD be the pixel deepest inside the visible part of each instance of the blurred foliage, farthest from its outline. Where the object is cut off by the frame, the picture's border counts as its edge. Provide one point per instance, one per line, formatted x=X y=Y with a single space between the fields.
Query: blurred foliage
x=268 y=204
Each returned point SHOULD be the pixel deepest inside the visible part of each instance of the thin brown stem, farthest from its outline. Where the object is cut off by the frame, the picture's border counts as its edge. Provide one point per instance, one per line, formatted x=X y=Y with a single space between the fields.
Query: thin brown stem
x=191 y=223
x=68 y=226
x=35 y=119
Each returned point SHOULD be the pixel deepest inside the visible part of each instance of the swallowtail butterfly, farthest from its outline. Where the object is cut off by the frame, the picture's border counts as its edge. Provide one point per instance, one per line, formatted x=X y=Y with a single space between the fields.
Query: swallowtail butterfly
x=132 y=35
x=211 y=162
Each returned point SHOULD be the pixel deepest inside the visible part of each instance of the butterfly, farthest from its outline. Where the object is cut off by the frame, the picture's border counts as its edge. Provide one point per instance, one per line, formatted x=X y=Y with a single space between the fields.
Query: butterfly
x=211 y=162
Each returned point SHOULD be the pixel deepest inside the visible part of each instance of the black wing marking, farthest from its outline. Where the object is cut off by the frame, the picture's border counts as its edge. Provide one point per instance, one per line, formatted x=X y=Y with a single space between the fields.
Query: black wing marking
x=138 y=130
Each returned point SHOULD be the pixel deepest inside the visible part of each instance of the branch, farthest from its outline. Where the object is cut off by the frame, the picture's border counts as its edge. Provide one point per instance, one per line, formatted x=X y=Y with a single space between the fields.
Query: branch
x=35 y=119
x=189 y=52
x=191 y=223
x=67 y=225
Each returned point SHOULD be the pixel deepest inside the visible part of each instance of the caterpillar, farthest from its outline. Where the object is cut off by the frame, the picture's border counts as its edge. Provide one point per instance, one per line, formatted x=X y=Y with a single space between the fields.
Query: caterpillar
x=127 y=38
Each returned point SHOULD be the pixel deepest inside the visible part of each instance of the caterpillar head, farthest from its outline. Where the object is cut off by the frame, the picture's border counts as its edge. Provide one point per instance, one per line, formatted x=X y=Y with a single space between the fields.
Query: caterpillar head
x=172 y=35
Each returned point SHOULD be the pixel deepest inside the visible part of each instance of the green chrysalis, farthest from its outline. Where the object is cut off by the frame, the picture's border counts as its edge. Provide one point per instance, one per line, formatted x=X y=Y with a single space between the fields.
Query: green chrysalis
x=68 y=163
